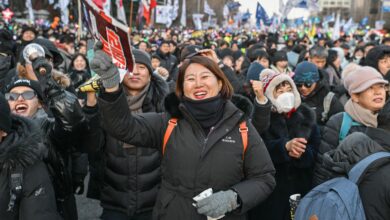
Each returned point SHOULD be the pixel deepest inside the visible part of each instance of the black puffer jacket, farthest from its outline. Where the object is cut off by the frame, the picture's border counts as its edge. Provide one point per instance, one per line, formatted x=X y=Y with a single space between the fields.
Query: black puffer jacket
x=374 y=184
x=24 y=148
x=192 y=162
x=131 y=174
x=330 y=141
x=60 y=134
x=316 y=101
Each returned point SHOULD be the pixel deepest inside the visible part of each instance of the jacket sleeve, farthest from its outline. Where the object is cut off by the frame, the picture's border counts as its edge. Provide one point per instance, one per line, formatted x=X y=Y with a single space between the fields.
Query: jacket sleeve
x=38 y=201
x=142 y=130
x=93 y=139
x=259 y=173
x=261 y=116
x=277 y=149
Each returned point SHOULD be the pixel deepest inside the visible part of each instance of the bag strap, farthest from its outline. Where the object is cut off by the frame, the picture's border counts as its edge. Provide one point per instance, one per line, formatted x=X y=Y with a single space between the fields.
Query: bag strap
x=173 y=122
x=327 y=101
x=16 y=189
x=359 y=168
x=346 y=125
x=171 y=125
x=244 y=136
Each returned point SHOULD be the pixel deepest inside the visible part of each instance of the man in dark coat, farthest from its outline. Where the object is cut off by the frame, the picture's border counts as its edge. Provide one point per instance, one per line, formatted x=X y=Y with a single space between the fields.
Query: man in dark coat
x=167 y=60
x=133 y=199
x=314 y=91
x=21 y=165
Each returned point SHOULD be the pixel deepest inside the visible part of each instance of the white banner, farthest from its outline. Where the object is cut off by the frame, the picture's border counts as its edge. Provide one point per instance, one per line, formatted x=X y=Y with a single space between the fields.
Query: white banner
x=207 y=9
x=197 y=18
x=162 y=14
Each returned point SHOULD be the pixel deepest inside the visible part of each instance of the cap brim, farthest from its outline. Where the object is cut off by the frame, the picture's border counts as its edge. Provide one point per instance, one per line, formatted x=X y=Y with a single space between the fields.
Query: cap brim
x=368 y=84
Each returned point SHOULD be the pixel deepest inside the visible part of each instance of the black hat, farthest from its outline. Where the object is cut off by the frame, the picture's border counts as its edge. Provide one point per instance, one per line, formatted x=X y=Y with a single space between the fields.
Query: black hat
x=143 y=58
x=5 y=115
x=279 y=56
x=28 y=28
x=225 y=52
x=189 y=51
x=34 y=85
x=56 y=55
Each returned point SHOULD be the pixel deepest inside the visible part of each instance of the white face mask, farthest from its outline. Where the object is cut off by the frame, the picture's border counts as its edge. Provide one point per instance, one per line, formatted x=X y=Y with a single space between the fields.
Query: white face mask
x=285 y=102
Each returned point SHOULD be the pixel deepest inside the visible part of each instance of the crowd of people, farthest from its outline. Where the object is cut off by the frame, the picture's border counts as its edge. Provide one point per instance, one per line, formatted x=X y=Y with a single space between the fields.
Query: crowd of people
x=250 y=118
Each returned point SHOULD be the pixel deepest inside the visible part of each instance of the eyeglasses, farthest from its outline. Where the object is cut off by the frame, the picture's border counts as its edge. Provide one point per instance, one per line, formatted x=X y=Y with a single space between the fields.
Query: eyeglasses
x=306 y=84
x=28 y=95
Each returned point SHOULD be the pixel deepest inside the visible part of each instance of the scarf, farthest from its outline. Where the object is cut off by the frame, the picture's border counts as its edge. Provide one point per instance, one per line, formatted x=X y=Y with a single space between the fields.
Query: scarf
x=207 y=111
x=135 y=102
x=360 y=114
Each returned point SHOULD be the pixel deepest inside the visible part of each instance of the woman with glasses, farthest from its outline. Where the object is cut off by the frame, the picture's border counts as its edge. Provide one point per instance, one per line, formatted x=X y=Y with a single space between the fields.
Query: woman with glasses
x=367 y=89
x=314 y=90
x=26 y=191
x=205 y=148
x=292 y=141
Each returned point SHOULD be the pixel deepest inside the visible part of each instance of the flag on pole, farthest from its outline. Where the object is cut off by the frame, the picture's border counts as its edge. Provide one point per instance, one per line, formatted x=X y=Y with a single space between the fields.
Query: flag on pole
x=207 y=9
x=175 y=9
x=336 y=28
x=183 y=18
x=64 y=11
x=30 y=10
x=120 y=11
x=261 y=14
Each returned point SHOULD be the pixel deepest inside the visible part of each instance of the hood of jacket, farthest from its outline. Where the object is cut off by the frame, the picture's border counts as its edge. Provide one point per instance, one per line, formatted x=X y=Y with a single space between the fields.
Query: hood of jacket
x=23 y=146
x=172 y=103
x=350 y=151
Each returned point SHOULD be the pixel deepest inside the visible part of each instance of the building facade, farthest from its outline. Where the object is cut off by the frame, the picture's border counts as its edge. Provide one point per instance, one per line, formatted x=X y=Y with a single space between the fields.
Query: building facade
x=328 y=7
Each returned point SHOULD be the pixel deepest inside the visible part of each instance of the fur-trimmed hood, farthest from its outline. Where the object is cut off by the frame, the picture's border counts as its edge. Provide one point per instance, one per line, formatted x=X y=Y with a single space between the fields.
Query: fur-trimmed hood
x=172 y=103
x=23 y=146
x=62 y=79
x=300 y=124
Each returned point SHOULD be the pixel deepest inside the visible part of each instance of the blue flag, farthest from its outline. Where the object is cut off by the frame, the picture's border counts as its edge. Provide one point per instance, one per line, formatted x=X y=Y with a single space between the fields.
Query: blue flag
x=246 y=16
x=261 y=14
x=364 y=21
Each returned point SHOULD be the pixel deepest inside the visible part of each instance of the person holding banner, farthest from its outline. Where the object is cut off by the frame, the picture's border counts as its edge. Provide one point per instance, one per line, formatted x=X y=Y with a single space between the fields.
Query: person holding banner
x=212 y=145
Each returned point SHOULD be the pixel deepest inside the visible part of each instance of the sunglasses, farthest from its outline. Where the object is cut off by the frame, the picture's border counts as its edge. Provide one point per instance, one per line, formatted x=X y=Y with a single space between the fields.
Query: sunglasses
x=28 y=95
x=306 y=84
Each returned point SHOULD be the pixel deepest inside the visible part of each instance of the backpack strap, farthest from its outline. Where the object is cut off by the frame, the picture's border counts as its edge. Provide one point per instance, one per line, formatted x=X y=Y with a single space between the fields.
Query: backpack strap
x=327 y=101
x=244 y=136
x=346 y=125
x=359 y=168
x=173 y=122
x=171 y=125
x=16 y=189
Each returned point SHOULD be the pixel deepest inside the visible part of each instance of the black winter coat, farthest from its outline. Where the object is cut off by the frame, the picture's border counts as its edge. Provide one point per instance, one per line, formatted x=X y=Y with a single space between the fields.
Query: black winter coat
x=330 y=141
x=292 y=175
x=24 y=148
x=193 y=162
x=131 y=174
x=316 y=101
x=169 y=62
x=374 y=183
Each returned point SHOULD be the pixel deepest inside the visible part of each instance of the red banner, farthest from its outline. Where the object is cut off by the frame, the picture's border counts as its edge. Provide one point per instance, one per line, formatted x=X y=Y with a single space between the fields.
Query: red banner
x=113 y=34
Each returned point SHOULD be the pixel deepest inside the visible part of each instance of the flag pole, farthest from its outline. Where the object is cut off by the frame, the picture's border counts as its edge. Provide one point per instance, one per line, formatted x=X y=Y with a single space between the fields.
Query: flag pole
x=79 y=31
x=131 y=15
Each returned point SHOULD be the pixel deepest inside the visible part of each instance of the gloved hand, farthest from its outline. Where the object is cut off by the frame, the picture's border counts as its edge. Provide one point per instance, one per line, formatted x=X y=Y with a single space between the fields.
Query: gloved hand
x=102 y=64
x=218 y=204
x=41 y=67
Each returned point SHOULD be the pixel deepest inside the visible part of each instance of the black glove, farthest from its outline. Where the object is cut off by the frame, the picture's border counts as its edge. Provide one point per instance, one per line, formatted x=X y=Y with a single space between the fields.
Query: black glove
x=218 y=204
x=103 y=66
x=41 y=67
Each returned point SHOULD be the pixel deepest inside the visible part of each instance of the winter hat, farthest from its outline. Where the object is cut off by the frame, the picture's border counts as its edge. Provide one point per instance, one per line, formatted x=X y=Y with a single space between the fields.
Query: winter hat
x=225 y=52
x=5 y=115
x=34 y=85
x=279 y=56
x=362 y=78
x=271 y=80
x=254 y=71
x=189 y=51
x=306 y=72
x=28 y=28
x=349 y=69
x=143 y=58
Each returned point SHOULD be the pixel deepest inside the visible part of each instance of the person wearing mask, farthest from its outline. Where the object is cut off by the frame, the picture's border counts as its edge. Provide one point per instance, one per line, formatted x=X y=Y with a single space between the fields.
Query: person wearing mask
x=280 y=63
x=358 y=54
x=292 y=141
x=60 y=130
x=145 y=92
x=367 y=89
x=315 y=93
x=26 y=189
x=201 y=148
